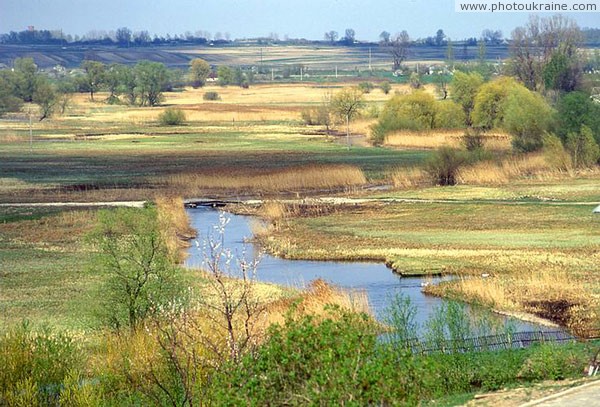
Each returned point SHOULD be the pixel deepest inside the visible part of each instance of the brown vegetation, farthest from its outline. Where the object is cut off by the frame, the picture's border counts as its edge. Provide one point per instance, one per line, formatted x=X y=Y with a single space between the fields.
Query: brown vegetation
x=276 y=181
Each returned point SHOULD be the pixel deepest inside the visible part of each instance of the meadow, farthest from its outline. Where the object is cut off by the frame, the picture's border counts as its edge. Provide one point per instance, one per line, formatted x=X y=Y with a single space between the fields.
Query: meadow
x=518 y=234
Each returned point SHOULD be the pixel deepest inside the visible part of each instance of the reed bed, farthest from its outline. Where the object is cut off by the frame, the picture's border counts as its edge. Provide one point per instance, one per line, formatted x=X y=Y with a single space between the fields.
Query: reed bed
x=410 y=178
x=296 y=179
x=174 y=224
x=433 y=139
x=488 y=172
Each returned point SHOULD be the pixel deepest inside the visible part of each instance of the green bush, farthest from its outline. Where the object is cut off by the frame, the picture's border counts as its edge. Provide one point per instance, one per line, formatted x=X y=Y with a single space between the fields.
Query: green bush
x=34 y=365
x=366 y=87
x=385 y=87
x=172 y=117
x=212 y=95
x=583 y=148
x=444 y=164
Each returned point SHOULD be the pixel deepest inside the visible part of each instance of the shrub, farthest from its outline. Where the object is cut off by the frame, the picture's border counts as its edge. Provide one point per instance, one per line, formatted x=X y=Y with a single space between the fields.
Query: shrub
x=473 y=140
x=583 y=148
x=385 y=87
x=366 y=87
x=34 y=364
x=444 y=165
x=212 y=95
x=172 y=117
x=133 y=252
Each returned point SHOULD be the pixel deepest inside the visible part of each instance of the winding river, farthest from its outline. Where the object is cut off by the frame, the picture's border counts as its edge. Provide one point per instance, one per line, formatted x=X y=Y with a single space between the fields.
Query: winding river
x=378 y=281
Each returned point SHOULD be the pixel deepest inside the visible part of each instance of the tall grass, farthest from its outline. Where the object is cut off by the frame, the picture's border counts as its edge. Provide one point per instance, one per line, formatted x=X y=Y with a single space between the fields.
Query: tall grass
x=433 y=139
x=487 y=172
x=295 y=179
x=410 y=178
x=174 y=224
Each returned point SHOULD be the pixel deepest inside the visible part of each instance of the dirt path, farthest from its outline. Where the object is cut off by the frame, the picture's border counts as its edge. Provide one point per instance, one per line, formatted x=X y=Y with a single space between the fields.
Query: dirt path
x=582 y=396
x=127 y=204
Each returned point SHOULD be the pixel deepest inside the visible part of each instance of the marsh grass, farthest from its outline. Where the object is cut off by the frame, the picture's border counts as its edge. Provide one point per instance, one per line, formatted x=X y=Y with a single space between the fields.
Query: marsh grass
x=318 y=177
x=433 y=139
x=491 y=173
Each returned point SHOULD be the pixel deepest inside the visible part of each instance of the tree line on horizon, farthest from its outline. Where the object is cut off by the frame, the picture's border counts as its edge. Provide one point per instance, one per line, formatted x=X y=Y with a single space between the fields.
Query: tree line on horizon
x=125 y=37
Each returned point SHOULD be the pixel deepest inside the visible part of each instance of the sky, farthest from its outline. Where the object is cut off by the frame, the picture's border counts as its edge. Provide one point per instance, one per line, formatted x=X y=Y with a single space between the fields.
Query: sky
x=253 y=18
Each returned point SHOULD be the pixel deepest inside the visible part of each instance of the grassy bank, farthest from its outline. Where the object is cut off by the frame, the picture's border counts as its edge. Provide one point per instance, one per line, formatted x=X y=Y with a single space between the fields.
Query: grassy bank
x=540 y=258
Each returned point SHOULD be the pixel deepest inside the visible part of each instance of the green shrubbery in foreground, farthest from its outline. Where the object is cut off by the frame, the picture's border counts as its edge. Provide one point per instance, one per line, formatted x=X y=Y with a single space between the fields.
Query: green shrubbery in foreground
x=333 y=360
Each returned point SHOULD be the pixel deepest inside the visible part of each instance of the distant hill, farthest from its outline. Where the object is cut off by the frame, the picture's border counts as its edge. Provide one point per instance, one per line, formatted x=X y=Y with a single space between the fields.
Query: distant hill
x=70 y=56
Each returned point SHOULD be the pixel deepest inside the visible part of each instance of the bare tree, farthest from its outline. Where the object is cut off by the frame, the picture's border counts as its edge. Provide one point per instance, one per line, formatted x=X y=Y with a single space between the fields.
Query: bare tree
x=398 y=47
x=331 y=36
x=542 y=41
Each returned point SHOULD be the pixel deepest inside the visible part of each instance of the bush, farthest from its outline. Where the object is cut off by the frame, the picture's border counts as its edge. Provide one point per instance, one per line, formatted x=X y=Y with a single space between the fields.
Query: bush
x=583 y=148
x=172 y=117
x=141 y=274
x=385 y=87
x=366 y=87
x=443 y=166
x=35 y=363
x=211 y=96
x=473 y=140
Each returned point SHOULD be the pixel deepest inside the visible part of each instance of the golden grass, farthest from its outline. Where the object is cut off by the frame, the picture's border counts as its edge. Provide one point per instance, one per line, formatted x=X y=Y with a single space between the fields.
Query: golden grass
x=486 y=172
x=433 y=139
x=410 y=177
x=174 y=224
x=286 y=180
x=537 y=290
x=314 y=300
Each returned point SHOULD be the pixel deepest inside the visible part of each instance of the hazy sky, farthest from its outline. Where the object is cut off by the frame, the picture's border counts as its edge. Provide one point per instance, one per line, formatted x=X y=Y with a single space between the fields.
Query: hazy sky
x=251 y=18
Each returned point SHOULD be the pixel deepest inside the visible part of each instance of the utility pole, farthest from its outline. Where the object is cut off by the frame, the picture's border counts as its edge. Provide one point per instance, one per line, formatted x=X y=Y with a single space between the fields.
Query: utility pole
x=336 y=72
x=272 y=74
x=370 y=67
x=301 y=69
x=30 y=133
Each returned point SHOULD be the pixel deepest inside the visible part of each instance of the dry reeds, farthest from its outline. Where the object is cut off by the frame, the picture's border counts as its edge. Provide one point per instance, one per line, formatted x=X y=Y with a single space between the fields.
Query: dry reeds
x=487 y=172
x=315 y=298
x=433 y=139
x=174 y=224
x=296 y=179
x=410 y=177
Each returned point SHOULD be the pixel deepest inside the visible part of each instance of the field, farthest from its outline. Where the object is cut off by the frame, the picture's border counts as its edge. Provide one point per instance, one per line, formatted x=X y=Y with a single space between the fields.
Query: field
x=532 y=235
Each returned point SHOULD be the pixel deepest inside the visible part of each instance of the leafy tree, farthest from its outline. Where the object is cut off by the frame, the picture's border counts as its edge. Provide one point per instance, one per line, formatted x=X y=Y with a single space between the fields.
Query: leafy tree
x=347 y=104
x=46 y=98
x=488 y=105
x=443 y=166
x=527 y=117
x=225 y=75
x=463 y=89
x=151 y=79
x=582 y=147
x=26 y=78
x=94 y=76
x=141 y=273
x=199 y=71
x=8 y=101
x=576 y=109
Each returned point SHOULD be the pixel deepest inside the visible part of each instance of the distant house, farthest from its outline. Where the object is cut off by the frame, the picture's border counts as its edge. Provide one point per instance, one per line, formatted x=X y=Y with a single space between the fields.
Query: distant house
x=597 y=210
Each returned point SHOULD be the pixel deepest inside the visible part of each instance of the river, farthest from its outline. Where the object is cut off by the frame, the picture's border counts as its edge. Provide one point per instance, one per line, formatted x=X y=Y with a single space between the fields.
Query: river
x=378 y=281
